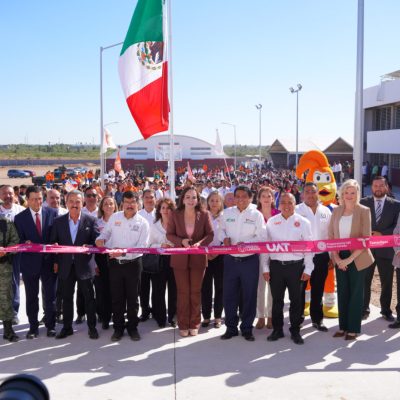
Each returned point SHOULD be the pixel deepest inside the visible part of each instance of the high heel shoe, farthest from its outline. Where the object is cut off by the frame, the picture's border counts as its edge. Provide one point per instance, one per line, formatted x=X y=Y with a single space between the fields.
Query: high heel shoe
x=260 y=323
x=184 y=332
x=350 y=336
x=217 y=323
x=339 y=334
x=269 y=323
x=193 y=332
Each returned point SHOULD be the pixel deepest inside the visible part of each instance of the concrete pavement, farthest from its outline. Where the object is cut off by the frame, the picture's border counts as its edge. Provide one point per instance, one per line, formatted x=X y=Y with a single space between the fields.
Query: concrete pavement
x=164 y=366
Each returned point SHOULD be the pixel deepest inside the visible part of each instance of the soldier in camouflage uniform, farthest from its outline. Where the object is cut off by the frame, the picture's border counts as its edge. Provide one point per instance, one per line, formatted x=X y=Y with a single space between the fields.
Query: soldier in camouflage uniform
x=8 y=237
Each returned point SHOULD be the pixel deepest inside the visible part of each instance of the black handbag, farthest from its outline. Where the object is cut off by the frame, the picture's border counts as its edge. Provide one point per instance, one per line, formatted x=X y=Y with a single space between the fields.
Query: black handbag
x=151 y=263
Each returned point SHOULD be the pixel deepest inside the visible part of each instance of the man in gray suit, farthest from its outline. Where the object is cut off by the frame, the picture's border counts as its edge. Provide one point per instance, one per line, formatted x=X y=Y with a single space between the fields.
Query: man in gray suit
x=384 y=215
x=396 y=264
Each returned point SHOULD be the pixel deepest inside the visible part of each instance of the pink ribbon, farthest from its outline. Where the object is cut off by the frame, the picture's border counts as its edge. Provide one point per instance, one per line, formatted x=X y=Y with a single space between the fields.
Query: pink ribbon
x=316 y=246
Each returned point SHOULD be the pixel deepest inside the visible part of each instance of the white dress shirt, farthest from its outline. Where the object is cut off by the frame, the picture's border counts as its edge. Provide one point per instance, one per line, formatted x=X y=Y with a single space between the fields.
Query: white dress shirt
x=10 y=213
x=148 y=216
x=295 y=228
x=216 y=228
x=319 y=221
x=121 y=232
x=158 y=235
x=247 y=226
x=92 y=213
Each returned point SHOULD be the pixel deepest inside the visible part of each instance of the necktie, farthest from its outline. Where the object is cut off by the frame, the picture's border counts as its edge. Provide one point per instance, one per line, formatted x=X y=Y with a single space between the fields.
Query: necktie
x=378 y=211
x=38 y=225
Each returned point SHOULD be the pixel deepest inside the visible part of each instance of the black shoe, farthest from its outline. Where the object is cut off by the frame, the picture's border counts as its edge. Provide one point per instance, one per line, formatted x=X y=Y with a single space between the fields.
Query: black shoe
x=162 y=324
x=144 y=317
x=388 y=317
x=229 y=335
x=80 y=319
x=93 y=334
x=64 y=333
x=205 y=323
x=320 y=326
x=249 y=337
x=297 y=339
x=134 y=335
x=116 y=336
x=172 y=323
x=51 y=333
x=105 y=325
x=275 y=335
x=395 y=325
x=32 y=334
x=365 y=315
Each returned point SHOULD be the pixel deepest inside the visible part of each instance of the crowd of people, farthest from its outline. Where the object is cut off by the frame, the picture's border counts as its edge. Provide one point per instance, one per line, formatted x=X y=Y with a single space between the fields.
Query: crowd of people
x=212 y=208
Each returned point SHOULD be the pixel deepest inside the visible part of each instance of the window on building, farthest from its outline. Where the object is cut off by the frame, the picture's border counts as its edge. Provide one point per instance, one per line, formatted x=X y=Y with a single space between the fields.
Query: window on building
x=382 y=118
x=395 y=161
x=397 y=117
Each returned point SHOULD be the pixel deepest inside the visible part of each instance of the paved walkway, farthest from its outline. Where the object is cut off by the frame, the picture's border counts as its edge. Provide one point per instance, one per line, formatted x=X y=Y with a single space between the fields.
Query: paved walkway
x=164 y=366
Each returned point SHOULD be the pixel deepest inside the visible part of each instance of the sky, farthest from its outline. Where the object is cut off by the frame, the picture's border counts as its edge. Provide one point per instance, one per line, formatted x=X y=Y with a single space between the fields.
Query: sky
x=227 y=56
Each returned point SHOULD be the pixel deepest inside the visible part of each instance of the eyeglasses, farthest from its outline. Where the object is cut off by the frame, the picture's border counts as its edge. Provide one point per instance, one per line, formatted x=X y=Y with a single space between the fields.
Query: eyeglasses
x=90 y=195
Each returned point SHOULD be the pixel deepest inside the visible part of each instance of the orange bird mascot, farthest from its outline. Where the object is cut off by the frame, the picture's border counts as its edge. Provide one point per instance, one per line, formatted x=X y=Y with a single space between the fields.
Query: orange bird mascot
x=320 y=173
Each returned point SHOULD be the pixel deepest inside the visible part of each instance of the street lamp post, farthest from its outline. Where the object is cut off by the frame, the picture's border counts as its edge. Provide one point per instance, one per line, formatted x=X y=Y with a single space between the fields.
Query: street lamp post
x=234 y=138
x=259 y=107
x=102 y=156
x=299 y=87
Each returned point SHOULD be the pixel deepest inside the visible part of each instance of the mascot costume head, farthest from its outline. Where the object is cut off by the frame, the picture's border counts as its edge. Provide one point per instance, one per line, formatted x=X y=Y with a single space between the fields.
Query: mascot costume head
x=319 y=172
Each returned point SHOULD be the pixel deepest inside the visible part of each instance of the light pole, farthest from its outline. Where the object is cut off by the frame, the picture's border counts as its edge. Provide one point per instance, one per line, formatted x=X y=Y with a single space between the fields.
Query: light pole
x=102 y=156
x=234 y=138
x=299 y=87
x=259 y=107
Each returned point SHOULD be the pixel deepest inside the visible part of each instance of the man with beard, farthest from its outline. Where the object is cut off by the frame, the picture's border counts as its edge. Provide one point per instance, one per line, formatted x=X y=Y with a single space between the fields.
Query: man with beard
x=384 y=214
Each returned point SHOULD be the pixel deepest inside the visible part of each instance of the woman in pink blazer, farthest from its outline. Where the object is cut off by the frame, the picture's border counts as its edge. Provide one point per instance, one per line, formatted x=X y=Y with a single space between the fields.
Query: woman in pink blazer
x=189 y=226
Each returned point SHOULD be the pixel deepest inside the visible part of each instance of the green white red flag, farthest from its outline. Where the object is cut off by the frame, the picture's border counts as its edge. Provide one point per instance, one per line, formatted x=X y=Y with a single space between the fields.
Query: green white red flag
x=143 y=68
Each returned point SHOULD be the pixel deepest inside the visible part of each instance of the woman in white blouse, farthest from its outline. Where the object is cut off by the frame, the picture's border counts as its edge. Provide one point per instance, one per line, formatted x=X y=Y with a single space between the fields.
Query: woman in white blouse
x=165 y=278
x=215 y=269
x=350 y=220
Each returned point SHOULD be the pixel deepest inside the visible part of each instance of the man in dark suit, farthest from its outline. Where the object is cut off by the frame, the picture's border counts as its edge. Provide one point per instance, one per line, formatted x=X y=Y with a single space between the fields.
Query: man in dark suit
x=384 y=214
x=33 y=226
x=75 y=229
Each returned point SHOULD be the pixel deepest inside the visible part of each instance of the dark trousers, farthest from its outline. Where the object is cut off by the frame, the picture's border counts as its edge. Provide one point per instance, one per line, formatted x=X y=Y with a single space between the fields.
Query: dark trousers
x=214 y=272
x=350 y=291
x=240 y=273
x=102 y=284
x=398 y=293
x=282 y=277
x=145 y=285
x=160 y=281
x=86 y=286
x=80 y=301
x=386 y=270
x=31 y=283
x=124 y=286
x=59 y=296
x=317 y=281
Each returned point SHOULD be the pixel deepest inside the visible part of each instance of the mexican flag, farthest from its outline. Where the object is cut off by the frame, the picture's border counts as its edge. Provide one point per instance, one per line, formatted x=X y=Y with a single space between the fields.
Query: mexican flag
x=143 y=69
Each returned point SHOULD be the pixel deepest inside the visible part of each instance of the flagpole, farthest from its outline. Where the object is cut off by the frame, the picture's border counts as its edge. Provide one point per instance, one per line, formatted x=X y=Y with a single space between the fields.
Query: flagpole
x=167 y=27
x=102 y=155
x=358 y=150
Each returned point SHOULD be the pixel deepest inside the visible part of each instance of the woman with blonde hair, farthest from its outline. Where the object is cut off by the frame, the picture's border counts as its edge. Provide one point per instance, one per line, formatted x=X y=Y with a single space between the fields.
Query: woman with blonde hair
x=350 y=220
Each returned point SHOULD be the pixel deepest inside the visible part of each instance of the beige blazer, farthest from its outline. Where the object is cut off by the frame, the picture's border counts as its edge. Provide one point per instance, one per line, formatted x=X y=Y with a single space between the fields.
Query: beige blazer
x=360 y=227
